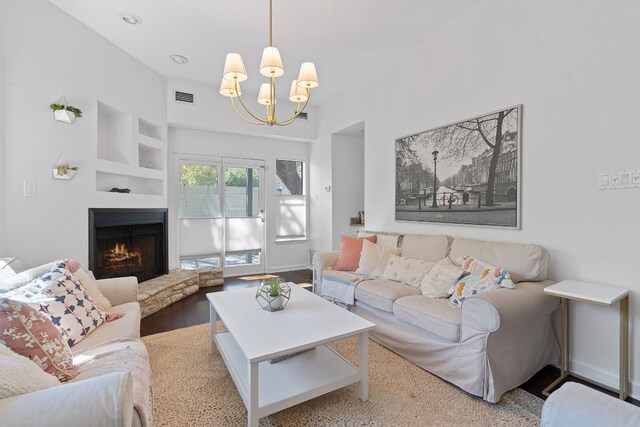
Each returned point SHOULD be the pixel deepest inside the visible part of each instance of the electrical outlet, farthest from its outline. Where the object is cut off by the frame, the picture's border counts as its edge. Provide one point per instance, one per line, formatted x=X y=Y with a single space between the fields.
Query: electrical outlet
x=605 y=181
x=30 y=188
x=635 y=178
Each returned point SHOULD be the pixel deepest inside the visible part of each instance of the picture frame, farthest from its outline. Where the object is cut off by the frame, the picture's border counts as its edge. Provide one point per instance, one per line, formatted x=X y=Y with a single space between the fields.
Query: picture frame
x=475 y=175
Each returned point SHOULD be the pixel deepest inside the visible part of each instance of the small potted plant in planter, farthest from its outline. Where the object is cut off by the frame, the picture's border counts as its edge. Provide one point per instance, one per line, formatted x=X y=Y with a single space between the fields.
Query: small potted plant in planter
x=65 y=113
x=62 y=170
x=273 y=294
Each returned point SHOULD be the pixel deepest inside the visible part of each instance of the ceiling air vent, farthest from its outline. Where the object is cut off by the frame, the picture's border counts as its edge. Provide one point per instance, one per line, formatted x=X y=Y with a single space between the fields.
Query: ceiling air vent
x=303 y=116
x=187 y=98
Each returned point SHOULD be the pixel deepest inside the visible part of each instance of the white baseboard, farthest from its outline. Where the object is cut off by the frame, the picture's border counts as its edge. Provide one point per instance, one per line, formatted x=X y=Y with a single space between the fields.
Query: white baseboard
x=610 y=379
x=289 y=268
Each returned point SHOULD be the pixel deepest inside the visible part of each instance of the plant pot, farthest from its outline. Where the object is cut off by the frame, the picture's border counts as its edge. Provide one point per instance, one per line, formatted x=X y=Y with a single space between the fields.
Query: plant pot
x=64 y=116
x=272 y=303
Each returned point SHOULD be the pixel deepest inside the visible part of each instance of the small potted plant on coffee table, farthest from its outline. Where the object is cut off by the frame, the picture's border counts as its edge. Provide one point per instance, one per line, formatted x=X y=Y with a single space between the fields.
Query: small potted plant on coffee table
x=273 y=294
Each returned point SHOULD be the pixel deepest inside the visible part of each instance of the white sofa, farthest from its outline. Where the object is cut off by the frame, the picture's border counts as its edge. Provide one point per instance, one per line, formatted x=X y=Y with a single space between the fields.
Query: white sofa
x=491 y=344
x=106 y=399
x=575 y=405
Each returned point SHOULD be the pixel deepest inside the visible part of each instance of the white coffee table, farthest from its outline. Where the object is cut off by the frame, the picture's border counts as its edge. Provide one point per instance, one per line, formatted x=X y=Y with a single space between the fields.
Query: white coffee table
x=256 y=336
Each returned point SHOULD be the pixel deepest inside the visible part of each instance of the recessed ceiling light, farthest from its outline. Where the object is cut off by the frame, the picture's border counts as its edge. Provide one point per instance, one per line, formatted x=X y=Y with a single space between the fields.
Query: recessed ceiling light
x=131 y=18
x=178 y=59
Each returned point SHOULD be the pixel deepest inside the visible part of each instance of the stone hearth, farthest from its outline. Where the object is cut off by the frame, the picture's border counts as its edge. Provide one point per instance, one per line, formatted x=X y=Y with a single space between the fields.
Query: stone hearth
x=161 y=292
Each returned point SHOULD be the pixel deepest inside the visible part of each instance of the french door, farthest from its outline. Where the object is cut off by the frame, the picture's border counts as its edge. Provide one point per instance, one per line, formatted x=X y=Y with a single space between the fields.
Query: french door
x=222 y=214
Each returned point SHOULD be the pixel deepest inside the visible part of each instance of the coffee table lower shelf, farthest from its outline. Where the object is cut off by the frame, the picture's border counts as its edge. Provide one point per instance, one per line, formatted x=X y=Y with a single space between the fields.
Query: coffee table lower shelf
x=290 y=381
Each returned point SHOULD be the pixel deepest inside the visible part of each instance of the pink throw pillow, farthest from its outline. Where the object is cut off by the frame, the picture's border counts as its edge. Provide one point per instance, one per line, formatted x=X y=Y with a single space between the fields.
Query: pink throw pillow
x=30 y=334
x=350 y=250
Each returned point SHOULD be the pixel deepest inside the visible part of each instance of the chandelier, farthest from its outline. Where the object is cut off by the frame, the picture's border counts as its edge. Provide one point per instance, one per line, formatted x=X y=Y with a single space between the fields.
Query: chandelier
x=271 y=67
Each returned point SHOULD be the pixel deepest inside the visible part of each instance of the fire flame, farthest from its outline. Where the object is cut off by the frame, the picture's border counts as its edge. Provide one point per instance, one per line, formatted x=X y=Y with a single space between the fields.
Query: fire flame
x=120 y=252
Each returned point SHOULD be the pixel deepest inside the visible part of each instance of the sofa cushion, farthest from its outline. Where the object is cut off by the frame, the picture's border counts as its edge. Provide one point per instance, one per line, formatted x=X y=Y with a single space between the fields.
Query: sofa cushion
x=11 y=281
x=409 y=271
x=31 y=334
x=431 y=248
x=437 y=316
x=91 y=287
x=19 y=375
x=126 y=327
x=523 y=262
x=384 y=239
x=374 y=258
x=437 y=282
x=381 y=293
x=350 y=251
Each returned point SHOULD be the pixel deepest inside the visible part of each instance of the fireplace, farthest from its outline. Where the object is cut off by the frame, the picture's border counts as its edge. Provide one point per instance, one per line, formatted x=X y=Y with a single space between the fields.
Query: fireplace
x=128 y=242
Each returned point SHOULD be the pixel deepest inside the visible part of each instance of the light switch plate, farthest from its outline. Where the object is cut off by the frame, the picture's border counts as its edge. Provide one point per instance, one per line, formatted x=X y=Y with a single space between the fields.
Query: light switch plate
x=30 y=188
x=619 y=180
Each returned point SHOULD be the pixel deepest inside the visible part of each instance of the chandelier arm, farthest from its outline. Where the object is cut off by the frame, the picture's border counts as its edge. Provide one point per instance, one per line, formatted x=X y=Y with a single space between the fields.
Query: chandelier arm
x=244 y=106
x=260 y=123
x=298 y=112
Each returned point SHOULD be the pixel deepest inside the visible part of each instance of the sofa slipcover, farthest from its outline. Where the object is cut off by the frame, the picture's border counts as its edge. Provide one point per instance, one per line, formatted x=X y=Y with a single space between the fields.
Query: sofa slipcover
x=429 y=247
x=523 y=262
x=125 y=327
x=381 y=293
x=437 y=316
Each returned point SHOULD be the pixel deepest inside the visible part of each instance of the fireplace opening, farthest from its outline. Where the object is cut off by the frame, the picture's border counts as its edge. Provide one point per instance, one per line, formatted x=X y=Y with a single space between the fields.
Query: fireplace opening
x=128 y=242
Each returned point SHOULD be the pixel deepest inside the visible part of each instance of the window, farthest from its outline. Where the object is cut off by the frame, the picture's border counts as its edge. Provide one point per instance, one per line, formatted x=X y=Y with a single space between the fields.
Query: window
x=199 y=191
x=291 y=215
x=289 y=177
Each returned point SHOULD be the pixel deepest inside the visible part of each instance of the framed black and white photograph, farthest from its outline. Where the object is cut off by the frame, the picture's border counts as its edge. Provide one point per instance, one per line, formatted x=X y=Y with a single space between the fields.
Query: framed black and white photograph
x=467 y=172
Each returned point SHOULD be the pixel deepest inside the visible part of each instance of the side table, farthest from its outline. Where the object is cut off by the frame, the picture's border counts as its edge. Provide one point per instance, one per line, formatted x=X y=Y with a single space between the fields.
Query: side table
x=594 y=294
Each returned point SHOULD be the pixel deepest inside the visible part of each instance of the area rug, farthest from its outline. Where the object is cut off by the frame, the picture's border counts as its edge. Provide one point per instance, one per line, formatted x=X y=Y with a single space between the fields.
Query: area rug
x=193 y=388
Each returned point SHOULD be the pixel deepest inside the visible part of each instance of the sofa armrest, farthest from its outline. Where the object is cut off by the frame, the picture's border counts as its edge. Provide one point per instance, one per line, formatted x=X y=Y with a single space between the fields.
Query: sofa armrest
x=322 y=260
x=106 y=400
x=574 y=404
x=504 y=309
x=119 y=290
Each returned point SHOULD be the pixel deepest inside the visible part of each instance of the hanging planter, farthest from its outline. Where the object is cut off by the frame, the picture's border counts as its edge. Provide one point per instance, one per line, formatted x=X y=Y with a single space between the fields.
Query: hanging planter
x=62 y=170
x=65 y=113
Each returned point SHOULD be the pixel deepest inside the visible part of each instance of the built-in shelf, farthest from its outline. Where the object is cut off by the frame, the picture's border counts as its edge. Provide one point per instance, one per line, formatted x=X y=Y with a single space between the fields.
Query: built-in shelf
x=132 y=153
x=115 y=130
x=105 y=181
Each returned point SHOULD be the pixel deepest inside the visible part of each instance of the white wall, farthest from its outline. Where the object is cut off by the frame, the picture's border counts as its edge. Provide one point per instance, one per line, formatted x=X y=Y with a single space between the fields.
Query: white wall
x=347 y=177
x=211 y=111
x=49 y=54
x=280 y=256
x=574 y=66
x=3 y=98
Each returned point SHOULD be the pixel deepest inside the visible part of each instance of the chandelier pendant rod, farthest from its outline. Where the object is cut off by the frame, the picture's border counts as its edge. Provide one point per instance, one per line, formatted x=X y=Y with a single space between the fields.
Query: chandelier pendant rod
x=270 y=23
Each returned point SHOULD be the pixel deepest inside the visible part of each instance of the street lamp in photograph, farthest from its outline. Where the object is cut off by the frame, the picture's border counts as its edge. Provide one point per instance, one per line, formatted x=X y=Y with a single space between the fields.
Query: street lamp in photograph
x=434 y=203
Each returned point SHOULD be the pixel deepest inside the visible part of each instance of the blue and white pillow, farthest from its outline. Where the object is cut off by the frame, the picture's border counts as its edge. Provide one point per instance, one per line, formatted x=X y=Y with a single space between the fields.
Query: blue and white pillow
x=60 y=296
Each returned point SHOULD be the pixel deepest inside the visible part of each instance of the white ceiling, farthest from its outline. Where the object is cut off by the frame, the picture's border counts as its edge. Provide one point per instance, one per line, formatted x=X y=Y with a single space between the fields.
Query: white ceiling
x=345 y=38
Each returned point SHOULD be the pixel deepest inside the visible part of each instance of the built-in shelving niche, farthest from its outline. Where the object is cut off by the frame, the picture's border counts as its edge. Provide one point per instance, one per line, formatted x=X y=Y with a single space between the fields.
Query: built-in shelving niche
x=131 y=153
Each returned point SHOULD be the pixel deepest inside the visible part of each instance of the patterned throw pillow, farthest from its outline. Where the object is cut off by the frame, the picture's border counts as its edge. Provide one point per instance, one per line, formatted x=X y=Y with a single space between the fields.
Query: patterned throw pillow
x=478 y=277
x=409 y=271
x=29 y=333
x=374 y=258
x=437 y=282
x=61 y=297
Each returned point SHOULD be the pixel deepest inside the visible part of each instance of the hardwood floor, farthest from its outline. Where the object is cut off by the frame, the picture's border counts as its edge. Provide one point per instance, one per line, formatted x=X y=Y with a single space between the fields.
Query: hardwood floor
x=194 y=310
